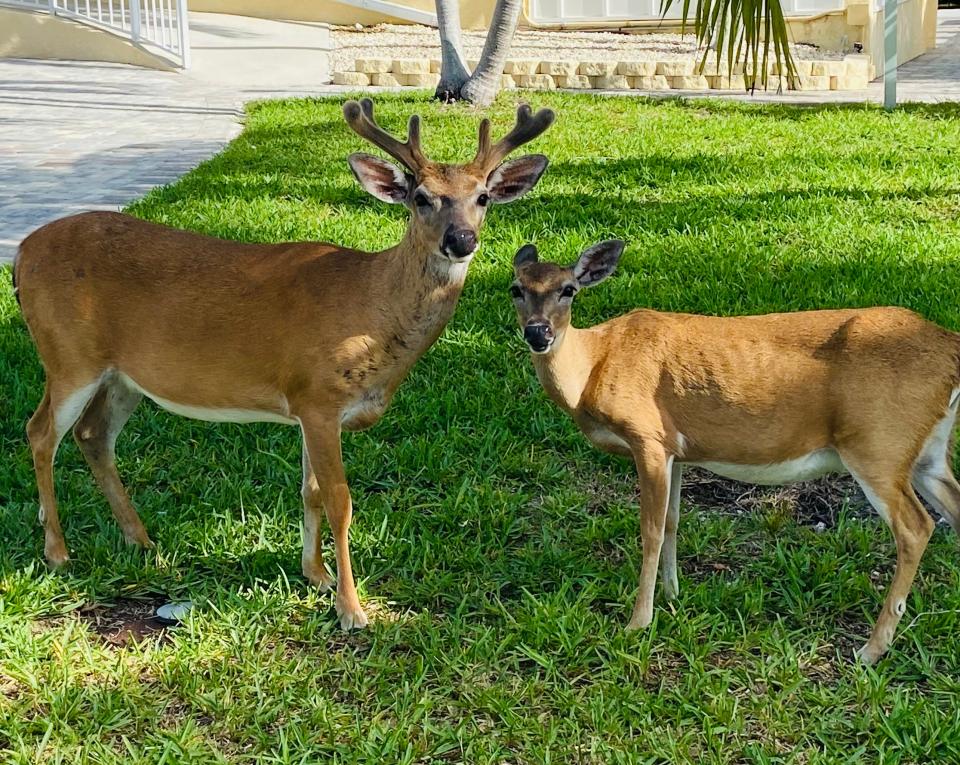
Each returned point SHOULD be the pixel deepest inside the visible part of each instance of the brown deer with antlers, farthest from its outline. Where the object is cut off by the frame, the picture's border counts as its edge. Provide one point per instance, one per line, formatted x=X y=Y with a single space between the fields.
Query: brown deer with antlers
x=303 y=333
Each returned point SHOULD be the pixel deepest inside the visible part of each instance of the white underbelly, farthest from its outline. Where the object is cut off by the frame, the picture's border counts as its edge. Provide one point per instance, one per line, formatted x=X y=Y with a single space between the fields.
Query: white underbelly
x=211 y=414
x=812 y=465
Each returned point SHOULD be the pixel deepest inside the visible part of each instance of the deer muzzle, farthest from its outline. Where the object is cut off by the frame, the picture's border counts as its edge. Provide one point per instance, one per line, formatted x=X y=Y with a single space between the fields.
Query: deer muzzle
x=539 y=336
x=458 y=243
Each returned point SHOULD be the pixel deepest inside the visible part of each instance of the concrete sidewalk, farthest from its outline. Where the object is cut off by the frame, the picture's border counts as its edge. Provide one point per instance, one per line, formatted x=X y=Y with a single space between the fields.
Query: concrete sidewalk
x=87 y=136
x=82 y=136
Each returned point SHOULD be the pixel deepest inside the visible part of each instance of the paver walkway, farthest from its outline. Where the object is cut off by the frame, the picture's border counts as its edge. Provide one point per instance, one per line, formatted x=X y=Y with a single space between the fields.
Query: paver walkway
x=80 y=136
x=88 y=136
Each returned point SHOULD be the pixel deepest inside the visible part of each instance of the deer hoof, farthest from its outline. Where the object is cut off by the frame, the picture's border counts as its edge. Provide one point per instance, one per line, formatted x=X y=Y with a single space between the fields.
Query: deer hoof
x=867 y=654
x=352 y=619
x=56 y=555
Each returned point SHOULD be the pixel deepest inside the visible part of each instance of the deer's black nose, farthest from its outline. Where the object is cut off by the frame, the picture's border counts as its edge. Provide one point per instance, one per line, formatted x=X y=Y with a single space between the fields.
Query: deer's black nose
x=538 y=336
x=459 y=243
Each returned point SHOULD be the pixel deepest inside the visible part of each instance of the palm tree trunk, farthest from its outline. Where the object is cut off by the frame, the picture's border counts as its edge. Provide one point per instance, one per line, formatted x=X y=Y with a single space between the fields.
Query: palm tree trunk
x=484 y=83
x=482 y=86
x=453 y=69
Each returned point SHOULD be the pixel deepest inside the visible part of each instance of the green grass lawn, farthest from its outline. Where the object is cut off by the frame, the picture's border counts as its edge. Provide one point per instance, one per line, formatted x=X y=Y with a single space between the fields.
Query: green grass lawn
x=496 y=551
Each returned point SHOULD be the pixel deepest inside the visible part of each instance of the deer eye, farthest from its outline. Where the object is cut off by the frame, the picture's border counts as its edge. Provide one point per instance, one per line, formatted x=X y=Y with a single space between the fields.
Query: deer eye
x=567 y=292
x=483 y=200
x=515 y=292
x=420 y=200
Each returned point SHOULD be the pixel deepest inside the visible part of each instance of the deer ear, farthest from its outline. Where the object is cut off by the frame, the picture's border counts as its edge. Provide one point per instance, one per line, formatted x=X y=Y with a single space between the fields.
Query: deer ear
x=382 y=179
x=526 y=254
x=596 y=263
x=516 y=177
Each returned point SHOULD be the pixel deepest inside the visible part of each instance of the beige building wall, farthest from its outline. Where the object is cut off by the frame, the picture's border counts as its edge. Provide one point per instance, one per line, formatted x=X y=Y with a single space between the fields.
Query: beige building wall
x=474 y=14
x=916 y=31
x=28 y=34
x=836 y=30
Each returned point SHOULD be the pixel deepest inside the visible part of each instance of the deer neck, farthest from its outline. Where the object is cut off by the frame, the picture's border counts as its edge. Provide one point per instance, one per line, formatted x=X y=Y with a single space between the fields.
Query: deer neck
x=565 y=371
x=423 y=288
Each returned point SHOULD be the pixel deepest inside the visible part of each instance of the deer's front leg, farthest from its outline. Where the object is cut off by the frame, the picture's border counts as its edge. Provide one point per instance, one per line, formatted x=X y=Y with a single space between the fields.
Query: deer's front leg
x=314 y=568
x=654 y=467
x=322 y=439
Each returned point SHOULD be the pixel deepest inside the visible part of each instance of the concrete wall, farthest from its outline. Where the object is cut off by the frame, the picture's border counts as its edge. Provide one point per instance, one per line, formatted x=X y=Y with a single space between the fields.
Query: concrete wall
x=28 y=34
x=829 y=31
x=916 y=31
x=474 y=14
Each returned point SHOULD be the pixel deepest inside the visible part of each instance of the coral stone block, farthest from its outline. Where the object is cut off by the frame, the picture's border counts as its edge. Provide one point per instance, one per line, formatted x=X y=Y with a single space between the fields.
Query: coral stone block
x=356 y=79
x=611 y=82
x=372 y=65
x=675 y=68
x=637 y=68
x=411 y=66
x=522 y=66
x=597 y=68
x=536 y=81
x=565 y=68
x=387 y=79
x=576 y=81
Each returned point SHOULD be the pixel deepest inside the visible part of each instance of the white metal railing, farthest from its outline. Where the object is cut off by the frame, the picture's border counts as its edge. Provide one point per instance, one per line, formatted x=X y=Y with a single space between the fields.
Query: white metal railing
x=159 y=23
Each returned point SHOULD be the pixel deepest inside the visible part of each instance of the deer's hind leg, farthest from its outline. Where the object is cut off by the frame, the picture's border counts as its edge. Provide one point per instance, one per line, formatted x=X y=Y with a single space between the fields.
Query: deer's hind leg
x=668 y=553
x=96 y=434
x=933 y=475
x=888 y=490
x=59 y=409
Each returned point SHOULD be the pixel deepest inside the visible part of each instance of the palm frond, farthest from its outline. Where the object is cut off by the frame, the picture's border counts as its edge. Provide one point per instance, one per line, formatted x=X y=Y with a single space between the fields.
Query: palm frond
x=751 y=33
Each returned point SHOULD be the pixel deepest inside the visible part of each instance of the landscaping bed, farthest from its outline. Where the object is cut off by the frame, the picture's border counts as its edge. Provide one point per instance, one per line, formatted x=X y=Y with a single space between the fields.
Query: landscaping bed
x=408 y=55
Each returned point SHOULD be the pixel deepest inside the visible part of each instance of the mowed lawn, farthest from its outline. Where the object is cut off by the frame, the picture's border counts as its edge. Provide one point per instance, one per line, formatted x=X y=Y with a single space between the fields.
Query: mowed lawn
x=497 y=552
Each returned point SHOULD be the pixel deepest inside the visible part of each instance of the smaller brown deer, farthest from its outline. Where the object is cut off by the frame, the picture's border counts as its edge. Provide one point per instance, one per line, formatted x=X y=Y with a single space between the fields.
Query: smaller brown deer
x=762 y=399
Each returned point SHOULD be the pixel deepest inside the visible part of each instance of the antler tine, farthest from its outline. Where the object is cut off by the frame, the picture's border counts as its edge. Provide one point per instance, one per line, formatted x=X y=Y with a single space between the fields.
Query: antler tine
x=483 y=140
x=413 y=139
x=527 y=127
x=359 y=117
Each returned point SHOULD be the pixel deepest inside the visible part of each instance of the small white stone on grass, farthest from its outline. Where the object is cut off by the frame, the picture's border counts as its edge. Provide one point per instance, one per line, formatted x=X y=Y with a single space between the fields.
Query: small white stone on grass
x=175 y=612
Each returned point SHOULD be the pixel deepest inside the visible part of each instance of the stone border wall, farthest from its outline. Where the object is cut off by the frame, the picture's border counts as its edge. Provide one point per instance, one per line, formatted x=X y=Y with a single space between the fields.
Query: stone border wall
x=853 y=72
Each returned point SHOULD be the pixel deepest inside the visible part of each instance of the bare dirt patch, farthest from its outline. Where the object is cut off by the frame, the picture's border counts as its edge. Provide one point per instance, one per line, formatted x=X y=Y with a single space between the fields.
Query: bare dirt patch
x=808 y=502
x=125 y=621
